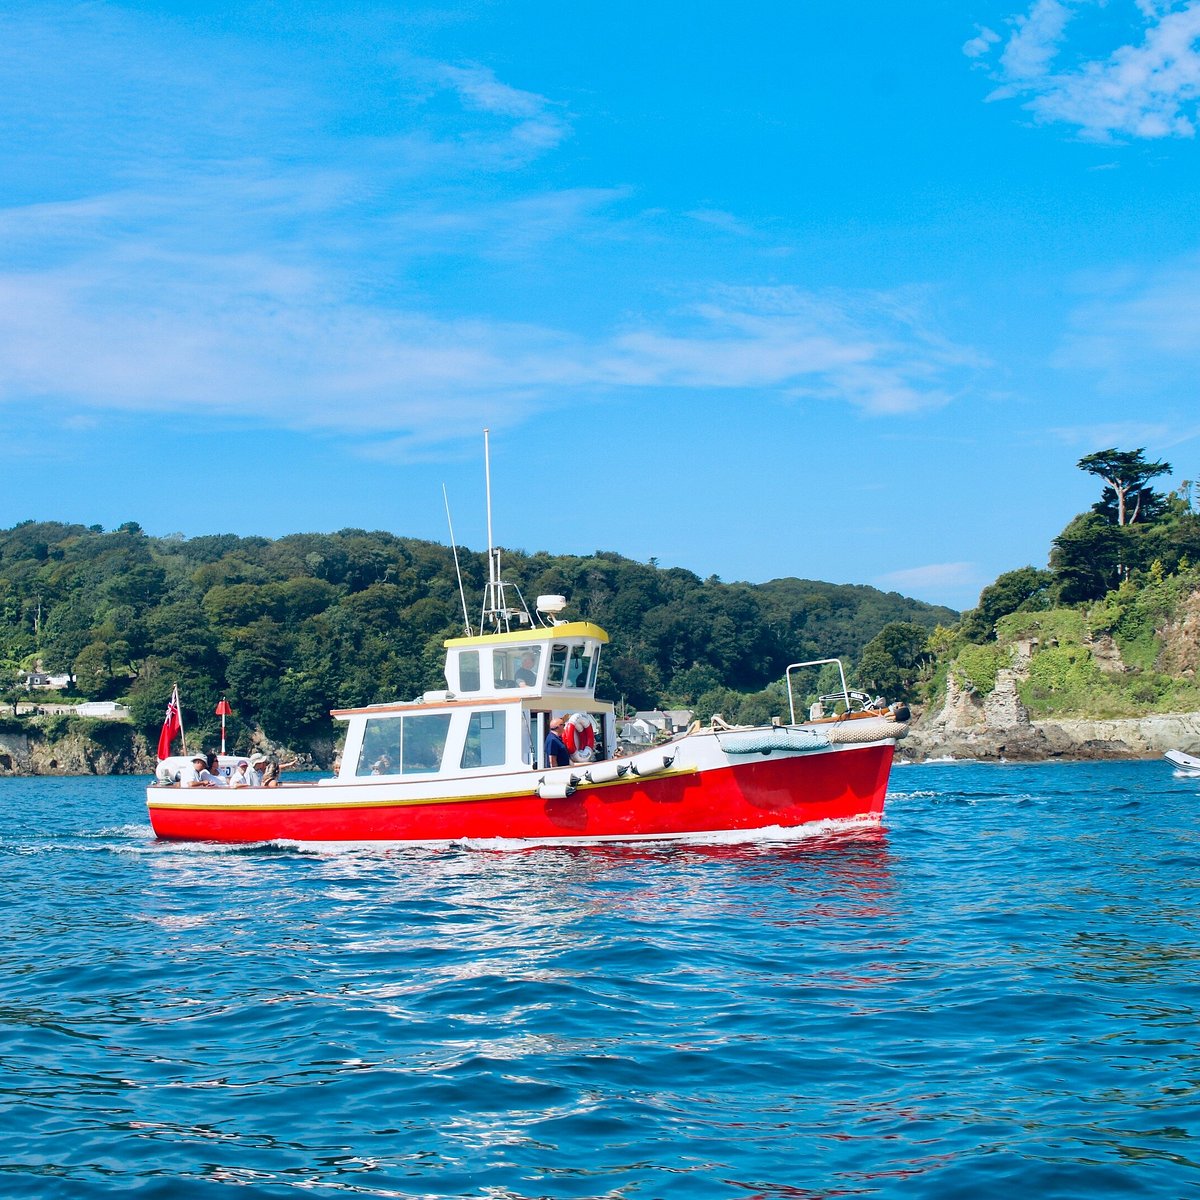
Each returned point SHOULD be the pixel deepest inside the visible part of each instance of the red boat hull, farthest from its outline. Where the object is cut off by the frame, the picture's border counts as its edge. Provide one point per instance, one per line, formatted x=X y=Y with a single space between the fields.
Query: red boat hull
x=760 y=793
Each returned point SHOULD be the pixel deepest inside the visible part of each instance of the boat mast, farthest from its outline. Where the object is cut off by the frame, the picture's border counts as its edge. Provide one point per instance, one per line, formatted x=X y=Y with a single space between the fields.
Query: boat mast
x=493 y=598
x=495 y=604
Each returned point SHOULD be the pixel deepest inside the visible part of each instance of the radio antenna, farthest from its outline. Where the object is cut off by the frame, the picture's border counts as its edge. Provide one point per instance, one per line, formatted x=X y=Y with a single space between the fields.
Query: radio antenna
x=462 y=595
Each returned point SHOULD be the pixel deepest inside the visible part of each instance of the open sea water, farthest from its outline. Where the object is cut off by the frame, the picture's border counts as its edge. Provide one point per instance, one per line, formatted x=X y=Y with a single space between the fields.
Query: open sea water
x=995 y=994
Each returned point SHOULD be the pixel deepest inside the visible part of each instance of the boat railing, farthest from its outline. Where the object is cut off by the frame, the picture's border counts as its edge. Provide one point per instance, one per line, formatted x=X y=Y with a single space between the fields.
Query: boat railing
x=846 y=696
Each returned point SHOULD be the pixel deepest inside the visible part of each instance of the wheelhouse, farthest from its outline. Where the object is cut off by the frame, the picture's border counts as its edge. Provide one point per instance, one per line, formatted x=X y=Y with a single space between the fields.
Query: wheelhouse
x=503 y=690
x=550 y=663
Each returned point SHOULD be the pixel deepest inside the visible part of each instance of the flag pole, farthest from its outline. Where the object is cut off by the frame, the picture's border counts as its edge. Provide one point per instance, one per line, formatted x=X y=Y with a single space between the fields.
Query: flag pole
x=179 y=716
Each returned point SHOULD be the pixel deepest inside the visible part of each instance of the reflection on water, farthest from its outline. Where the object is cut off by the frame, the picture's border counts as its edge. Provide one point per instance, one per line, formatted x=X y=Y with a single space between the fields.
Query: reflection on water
x=994 y=991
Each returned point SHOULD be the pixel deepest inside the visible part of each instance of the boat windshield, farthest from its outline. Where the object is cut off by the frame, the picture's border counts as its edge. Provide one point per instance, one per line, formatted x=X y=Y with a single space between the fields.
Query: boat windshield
x=571 y=665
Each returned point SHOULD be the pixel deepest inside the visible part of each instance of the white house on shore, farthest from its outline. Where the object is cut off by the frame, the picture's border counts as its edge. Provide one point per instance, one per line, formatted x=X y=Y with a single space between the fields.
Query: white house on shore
x=108 y=710
x=644 y=727
x=41 y=681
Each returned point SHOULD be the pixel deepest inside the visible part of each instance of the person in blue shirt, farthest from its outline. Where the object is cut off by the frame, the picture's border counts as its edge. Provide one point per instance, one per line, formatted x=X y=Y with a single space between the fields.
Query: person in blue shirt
x=557 y=754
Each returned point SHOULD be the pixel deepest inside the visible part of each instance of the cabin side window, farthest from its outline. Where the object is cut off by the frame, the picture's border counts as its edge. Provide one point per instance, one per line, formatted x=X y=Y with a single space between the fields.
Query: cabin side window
x=408 y=745
x=380 y=753
x=422 y=743
x=468 y=670
x=516 y=666
x=484 y=746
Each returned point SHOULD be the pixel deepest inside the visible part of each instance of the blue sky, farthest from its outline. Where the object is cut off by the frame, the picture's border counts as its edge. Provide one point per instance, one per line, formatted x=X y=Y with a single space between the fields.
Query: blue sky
x=841 y=292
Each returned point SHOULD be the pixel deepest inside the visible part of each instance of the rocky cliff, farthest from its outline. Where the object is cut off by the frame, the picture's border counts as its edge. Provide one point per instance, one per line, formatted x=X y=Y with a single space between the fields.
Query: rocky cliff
x=74 y=754
x=999 y=726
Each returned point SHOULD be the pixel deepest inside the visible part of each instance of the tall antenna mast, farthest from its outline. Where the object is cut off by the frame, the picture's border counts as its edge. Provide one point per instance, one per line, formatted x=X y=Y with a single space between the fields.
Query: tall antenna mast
x=495 y=602
x=487 y=477
x=462 y=595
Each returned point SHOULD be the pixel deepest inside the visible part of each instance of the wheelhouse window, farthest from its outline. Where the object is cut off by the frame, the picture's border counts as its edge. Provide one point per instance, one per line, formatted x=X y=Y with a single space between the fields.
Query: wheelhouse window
x=485 y=744
x=516 y=666
x=572 y=666
x=579 y=666
x=468 y=670
x=407 y=745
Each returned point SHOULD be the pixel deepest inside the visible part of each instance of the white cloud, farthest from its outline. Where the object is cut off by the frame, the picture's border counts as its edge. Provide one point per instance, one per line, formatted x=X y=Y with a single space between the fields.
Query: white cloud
x=981 y=43
x=933 y=577
x=1034 y=45
x=1138 y=330
x=1145 y=88
x=873 y=351
x=537 y=124
x=153 y=331
x=229 y=275
x=724 y=221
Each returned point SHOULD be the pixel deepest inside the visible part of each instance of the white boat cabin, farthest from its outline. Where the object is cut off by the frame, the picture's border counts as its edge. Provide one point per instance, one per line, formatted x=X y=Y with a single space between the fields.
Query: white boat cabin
x=502 y=691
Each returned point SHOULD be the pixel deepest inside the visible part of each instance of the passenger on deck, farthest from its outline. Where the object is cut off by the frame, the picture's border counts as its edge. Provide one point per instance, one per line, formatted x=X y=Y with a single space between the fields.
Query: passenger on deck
x=242 y=775
x=557 y=754
x=196 y=774
x=215 y=773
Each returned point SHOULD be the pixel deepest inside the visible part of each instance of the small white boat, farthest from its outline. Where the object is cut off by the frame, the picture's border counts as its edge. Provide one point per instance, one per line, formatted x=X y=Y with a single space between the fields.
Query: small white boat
x=1187 y=765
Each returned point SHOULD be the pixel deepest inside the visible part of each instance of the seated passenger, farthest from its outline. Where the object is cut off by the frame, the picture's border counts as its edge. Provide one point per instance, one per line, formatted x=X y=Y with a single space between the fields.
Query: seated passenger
x=241 y=775
x=215 y=773
x=270 y=769
x=196 y=773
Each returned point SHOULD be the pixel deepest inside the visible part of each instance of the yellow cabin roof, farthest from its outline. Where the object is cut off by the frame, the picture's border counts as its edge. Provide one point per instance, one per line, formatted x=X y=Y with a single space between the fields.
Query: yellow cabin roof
x=556 y=633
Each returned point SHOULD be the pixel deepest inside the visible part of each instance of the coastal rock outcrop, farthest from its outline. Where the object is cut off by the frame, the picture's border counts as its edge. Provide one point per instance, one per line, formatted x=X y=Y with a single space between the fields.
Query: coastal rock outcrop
x=999 y=726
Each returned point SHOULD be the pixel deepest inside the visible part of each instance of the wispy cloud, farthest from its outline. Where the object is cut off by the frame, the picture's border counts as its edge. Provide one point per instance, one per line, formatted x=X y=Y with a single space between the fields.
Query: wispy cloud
x=724 y=221
x=1145 y=88
x=216 y=274
x=957 y=578
x=1138 y=330
x=247 y=335
x=880 y=353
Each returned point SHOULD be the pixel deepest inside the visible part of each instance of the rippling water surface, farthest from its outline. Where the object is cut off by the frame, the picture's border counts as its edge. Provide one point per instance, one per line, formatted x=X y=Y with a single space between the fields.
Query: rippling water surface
x=996 y=993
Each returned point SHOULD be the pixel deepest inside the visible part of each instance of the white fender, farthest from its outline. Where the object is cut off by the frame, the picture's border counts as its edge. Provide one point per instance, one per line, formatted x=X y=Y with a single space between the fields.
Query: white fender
x=606 y=772
x=651 y=766
x=555 y=791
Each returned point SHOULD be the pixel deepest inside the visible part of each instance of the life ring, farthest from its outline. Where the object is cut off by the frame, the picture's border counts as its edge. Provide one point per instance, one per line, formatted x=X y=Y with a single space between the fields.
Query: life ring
x=579 y=734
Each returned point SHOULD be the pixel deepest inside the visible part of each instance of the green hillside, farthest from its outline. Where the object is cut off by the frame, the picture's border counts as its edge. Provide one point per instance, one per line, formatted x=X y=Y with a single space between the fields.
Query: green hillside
x=292 y=627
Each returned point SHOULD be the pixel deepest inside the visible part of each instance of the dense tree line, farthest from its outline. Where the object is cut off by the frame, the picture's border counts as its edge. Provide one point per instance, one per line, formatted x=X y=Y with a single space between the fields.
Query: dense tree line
x=292 y=627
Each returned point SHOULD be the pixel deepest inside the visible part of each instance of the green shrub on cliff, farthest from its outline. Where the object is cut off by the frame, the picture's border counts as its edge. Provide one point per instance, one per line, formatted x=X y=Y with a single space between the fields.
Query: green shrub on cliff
x=1064 y=678
x=1064 y=626
x=976 y=666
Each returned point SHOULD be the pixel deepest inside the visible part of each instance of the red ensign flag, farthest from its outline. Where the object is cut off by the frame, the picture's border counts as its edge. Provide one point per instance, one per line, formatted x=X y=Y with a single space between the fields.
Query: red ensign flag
x=172 y=726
